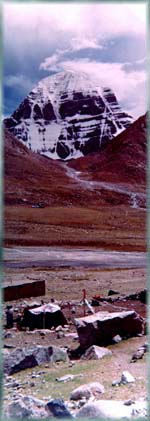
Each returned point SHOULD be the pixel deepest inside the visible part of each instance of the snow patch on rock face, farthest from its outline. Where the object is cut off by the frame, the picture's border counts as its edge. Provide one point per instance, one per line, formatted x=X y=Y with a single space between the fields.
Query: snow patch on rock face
x=68 y=115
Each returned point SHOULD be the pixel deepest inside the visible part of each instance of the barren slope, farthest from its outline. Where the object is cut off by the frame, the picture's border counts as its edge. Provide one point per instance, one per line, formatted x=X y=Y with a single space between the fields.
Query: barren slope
x=122 y=161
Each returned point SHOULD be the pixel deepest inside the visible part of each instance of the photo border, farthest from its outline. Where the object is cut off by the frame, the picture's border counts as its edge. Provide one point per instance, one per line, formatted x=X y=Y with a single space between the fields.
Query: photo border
x=147 y=3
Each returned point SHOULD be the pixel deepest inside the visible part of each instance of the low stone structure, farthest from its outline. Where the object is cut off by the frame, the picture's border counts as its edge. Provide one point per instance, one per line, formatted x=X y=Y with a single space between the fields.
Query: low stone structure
x=24 y=290
x=100 y=328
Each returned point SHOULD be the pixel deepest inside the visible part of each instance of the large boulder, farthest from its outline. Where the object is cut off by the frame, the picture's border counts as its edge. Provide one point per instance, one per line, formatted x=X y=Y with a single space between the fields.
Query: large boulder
x=87 y=391
x=25 y=407
x=101 y=327
x=23 y=358
x=58 y=409
x=111 y=409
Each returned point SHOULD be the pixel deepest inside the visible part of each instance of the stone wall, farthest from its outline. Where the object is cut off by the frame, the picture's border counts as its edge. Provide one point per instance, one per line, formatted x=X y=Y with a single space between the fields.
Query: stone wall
x=26 y=290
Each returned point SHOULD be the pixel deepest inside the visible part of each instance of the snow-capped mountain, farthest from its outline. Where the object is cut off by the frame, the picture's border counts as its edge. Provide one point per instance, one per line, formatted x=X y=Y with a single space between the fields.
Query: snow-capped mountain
x=68 y=115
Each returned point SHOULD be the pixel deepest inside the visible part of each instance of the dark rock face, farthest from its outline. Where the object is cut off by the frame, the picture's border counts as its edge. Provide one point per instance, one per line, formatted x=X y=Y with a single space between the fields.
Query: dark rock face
x=65 y=116
x=62 y=150
x=48 y=112
x=37 y=113
x=100 y=328
x=24 y=111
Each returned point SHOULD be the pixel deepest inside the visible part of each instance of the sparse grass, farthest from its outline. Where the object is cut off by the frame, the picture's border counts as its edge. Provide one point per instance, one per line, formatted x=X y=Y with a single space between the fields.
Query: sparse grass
x=117 y=227
x=103 y=371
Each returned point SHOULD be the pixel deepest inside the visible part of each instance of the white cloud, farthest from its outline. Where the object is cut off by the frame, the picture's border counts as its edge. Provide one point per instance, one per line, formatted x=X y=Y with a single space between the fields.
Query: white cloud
x=98 y=20
x=18 y=80
x=81 y=43
x=129 y=88
x=70 y=27
x=50 y=62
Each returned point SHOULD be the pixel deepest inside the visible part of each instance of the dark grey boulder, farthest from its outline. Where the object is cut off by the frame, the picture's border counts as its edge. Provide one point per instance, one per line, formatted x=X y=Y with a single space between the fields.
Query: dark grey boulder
x=23 y=358
x=25 y=407
x=58 y=409
x=101 y=327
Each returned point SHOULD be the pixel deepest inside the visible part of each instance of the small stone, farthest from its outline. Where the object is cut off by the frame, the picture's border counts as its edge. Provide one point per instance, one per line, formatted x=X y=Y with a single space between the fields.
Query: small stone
x=60 y=335
x=32 y=384
x=58 y=328
x=65 y=378
x=116 y=339
x=82 y=402
x=129 y=402
x=116 y=383
x=127 y=378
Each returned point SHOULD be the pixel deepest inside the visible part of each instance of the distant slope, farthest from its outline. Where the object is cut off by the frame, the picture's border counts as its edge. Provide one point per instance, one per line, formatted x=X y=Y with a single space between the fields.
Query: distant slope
x=30 y=178
x=75 y=212
x=122 y=161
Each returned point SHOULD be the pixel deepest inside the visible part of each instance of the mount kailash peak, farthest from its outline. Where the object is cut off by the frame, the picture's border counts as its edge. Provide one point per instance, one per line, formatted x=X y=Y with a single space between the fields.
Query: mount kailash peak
x=68 y=115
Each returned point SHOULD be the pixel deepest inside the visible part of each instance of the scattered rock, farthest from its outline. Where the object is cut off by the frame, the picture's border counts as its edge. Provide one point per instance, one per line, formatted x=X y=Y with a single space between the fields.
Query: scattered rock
x=141 y=296
x=139 y=353
x=86 y=391
x=8 y=335
x=129 y=402
x=9 y=346
x=127 y=378
x=101 y=327
x=72 y=335
x=112 y=292
x=116 y=383
x=21 y=359
x=60 y=335
x=68 y=377
x=73 y=310
x=65 y=378
x=58 y=409
x=95 y=353
x=116 y=339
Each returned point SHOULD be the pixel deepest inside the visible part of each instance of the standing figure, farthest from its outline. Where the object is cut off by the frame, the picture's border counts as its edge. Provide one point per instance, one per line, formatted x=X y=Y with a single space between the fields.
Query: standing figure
x=9 y=317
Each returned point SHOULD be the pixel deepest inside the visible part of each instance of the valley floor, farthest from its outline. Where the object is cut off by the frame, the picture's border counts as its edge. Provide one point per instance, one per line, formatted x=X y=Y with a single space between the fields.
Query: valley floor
x=119 y=228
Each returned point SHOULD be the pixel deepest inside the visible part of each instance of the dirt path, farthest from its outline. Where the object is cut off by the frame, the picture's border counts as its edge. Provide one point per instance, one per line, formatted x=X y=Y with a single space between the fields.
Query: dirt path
x=60 y=257
x=134 y=197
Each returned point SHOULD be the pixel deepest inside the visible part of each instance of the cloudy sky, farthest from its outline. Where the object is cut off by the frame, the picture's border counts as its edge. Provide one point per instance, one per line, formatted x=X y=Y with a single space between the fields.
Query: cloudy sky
x=107 y=40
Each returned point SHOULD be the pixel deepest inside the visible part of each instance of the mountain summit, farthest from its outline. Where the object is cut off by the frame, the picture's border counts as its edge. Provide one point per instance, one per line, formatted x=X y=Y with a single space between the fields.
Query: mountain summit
x=68 y=115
